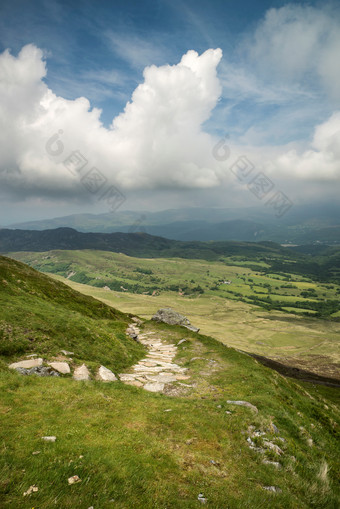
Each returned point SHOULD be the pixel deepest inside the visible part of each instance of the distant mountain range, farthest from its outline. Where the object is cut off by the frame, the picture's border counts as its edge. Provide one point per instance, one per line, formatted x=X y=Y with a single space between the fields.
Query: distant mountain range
x=301 y=225
x=317 y=261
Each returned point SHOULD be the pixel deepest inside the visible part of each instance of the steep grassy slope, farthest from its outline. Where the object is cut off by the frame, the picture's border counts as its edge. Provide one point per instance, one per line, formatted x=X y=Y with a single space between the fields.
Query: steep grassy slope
x=42 y=316
x=134 y=449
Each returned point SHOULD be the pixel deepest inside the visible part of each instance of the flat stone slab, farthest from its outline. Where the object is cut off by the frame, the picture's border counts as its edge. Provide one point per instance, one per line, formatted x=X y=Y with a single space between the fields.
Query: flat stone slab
x=31 y=363
x=61 y=367
x=154 y=387
x=81 y=373
x=163 y=378
x=135 y=383
x=106 y=375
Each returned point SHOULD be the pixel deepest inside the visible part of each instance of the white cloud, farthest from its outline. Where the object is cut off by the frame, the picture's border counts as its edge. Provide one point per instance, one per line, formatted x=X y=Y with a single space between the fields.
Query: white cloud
x=321 y=161
x=297 y=44
x=156 y=142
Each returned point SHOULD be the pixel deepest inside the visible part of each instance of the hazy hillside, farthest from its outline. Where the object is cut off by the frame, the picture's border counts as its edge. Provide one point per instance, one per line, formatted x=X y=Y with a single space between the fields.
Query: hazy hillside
x=301 y=224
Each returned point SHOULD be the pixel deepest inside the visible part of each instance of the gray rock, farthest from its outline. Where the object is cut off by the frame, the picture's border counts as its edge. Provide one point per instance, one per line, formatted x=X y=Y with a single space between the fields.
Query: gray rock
x=81 y=373
x=49 y=439
x=181 y=341
x=31 y=363
x=168 y=315
x=39 y=371
x=273 y=447
x=105 y=375
x=275 y=464
x=244 y=403
x=61 y=367
x=273 y=489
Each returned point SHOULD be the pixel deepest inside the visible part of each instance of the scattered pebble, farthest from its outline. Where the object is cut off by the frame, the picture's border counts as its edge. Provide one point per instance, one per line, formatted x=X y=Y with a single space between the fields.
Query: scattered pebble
x=35 y=453
x=31 y=489
x=201 y=498
x=168 y=410
x=49 y=439
x=273 y=489
x=66 y=352
x=74 y=479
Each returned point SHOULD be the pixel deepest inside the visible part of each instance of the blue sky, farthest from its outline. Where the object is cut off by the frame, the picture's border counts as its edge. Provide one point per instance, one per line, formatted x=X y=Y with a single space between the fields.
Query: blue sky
x=272 y=95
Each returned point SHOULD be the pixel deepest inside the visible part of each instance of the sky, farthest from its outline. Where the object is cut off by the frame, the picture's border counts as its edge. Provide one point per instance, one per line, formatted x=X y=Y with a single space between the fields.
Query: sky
x=114 y=105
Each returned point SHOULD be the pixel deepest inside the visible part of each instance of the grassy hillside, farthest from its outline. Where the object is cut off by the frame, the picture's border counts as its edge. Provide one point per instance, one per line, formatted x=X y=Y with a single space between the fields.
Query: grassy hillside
x=224 y=311
x=134 y=449
x=42 y=316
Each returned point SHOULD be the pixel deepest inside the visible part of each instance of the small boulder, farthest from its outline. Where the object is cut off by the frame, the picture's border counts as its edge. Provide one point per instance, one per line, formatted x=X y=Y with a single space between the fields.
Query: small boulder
x=105 y=375
x=81 y=373
x=31 y=363
x=168 y=315
x=61 y=367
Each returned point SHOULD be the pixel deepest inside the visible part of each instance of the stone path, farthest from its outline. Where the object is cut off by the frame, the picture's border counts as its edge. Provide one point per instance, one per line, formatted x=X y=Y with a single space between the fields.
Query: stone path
x=157 y=369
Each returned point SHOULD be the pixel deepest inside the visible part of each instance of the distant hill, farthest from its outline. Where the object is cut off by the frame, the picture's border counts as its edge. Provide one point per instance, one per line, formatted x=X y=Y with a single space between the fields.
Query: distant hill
x=321 y=265
x=301 y=224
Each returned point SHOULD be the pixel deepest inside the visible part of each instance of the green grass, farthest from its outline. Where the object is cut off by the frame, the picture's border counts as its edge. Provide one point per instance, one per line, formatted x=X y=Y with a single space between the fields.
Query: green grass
x=296 y=339
x=45 y=316
x=128 y=451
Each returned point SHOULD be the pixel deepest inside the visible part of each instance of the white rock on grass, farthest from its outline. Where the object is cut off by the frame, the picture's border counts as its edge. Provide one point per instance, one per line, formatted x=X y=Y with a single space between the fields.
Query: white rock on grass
x=81 y=373
x=61 y=367
x=49 y=439
x=106 y=375
x=244 y=403
x=31 y=363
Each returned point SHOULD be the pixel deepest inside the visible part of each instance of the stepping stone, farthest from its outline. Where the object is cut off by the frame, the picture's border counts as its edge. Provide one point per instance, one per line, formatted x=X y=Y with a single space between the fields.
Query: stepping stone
x=154 y=387
x=164 y=378
x=182 y=377
x=61 y=367
x=135 y=383
x=126 y=377
x=106 y=375
x=81 y=373
x=31 y=363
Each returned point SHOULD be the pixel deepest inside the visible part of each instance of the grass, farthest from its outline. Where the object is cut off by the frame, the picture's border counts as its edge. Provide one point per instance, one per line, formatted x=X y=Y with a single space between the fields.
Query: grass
x=127 y=448
x=45 y=316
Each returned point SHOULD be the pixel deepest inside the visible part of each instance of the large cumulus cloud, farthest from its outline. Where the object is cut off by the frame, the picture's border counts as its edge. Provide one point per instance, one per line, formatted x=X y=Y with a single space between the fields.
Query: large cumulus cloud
x=157 y=141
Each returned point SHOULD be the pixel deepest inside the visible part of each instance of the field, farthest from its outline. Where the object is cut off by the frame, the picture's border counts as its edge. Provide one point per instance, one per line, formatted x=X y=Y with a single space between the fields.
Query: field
x=201 y=291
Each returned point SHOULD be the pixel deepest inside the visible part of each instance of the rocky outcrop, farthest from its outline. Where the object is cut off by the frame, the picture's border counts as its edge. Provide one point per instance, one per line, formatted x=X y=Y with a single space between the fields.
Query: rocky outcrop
x=168 y=315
